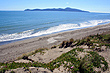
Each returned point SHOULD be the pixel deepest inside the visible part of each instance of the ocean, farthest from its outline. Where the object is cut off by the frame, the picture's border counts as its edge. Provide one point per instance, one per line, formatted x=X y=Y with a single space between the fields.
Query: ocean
x=20 y=25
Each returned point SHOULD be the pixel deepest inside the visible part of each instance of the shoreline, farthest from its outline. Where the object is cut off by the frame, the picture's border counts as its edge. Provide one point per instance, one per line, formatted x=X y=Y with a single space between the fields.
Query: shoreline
x=13 y=50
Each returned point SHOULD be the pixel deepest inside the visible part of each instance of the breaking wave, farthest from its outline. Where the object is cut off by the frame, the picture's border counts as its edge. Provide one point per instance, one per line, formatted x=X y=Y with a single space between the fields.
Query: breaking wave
x=59 y=28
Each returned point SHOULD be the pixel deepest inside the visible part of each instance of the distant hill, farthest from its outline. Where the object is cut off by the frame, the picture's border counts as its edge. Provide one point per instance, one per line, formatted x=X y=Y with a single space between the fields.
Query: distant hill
x=57 y=9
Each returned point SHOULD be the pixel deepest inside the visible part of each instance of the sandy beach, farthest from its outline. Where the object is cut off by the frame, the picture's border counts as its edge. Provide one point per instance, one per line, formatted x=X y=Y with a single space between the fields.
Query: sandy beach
x=11 y=51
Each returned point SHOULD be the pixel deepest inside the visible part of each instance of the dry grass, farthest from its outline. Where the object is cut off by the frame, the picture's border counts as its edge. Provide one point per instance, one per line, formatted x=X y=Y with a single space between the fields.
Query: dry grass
x=33 y=52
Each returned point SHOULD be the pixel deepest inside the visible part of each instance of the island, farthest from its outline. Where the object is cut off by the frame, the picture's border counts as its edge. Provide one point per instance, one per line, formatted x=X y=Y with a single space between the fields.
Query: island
x=57 y=9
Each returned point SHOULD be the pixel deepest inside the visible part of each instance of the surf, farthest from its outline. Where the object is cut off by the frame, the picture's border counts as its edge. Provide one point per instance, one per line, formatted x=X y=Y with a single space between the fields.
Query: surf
x=51 y=30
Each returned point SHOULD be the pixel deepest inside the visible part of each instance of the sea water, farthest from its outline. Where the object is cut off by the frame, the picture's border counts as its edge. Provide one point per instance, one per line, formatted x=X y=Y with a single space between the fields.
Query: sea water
x=19 y=25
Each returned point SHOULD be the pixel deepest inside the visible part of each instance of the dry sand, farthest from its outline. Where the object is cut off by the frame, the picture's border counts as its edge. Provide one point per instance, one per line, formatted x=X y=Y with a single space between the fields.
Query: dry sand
x=49 y=55
x=13 y=50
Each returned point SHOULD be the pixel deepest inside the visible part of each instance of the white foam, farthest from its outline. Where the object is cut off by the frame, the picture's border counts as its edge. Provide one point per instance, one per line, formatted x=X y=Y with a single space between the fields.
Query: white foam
x=54 y=29
x=93 y=23
x=62 y=27
x=15 y=36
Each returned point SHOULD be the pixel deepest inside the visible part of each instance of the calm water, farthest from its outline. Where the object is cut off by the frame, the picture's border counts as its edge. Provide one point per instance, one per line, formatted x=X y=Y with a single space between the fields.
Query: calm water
x=16 y=25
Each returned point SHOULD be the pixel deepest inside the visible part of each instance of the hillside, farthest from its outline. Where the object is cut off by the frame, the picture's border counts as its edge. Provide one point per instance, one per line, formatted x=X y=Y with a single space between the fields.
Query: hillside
x=88 y=55
x=57 y=9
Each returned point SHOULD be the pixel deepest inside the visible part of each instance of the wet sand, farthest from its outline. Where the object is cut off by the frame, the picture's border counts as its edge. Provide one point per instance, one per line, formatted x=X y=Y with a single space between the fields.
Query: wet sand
x=11 y=51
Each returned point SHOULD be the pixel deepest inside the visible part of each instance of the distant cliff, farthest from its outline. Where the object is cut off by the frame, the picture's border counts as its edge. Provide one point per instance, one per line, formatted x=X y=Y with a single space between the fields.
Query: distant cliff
x=57 y=9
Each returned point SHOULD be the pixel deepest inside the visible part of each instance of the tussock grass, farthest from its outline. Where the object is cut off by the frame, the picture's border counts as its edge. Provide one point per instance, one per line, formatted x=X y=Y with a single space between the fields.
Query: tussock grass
x=33 y=52
x=70 y=60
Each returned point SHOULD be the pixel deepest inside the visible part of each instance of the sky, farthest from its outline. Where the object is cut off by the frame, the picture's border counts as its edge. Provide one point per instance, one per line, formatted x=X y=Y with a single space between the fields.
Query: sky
x=102 y=6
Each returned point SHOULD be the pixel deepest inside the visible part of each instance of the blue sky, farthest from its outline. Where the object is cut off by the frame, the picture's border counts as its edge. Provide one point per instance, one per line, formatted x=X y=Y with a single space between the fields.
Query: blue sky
x=88 y=5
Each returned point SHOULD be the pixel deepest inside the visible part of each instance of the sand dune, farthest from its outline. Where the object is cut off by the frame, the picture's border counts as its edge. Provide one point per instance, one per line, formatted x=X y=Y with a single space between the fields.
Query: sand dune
x=13 y=50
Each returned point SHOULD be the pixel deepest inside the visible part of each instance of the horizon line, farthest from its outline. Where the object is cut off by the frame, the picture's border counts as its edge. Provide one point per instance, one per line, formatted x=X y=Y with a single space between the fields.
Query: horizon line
x=54 y=11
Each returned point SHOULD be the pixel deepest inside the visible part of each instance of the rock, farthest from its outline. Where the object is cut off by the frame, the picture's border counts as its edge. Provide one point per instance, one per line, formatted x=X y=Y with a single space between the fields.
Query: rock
x=18 y=70
x=61 y=69
x=42 y=70
x=1 y=67
x=26 y=58
x=65 y=62
x=98 y=49
x=83 y=46
x=82 y=54
x=97 y=69
x=31 y=70
x=87 y=50
x=102 y=65
x=56 y=71
x=103 y=48
x=22 y=61
x=96 y=44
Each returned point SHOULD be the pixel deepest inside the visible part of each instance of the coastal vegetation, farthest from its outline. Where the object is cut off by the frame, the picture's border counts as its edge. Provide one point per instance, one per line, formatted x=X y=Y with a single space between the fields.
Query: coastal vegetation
x=76 y=60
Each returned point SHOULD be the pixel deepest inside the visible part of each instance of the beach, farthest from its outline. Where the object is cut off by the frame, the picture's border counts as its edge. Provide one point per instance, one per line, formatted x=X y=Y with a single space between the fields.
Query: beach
x=11 y=51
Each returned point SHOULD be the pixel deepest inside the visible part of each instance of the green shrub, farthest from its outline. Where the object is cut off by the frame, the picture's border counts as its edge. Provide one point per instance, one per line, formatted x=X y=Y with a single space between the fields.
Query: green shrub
x=98 y=60
x=70 y=59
